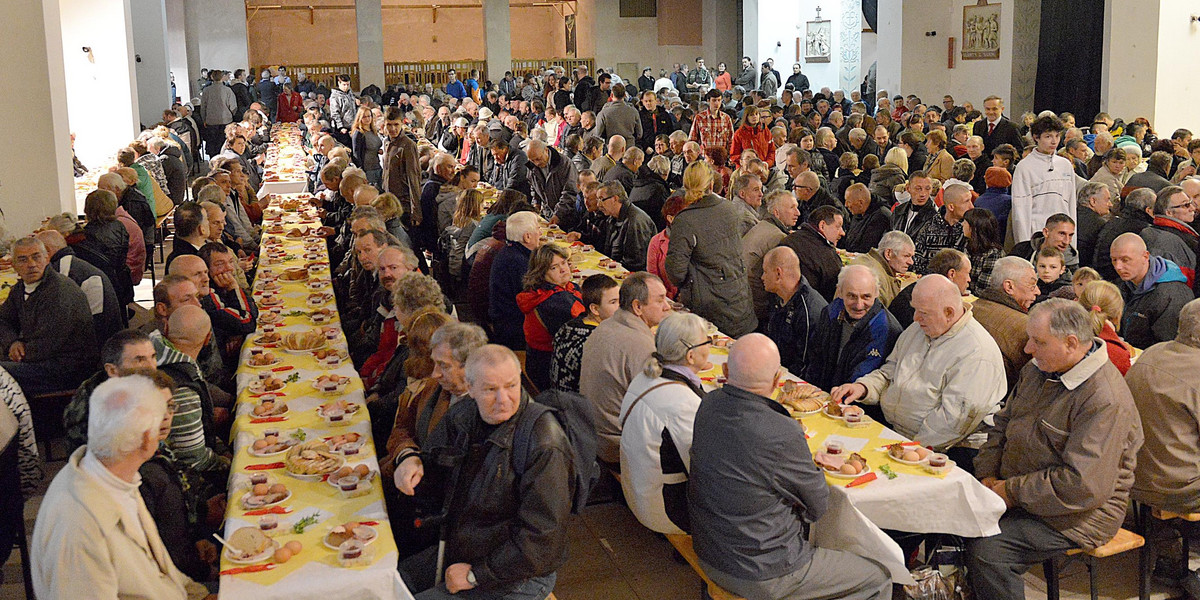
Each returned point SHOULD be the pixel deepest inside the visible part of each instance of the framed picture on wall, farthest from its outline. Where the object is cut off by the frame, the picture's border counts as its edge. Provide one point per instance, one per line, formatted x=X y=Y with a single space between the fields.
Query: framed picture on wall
x=818 y=41
x=569 y=21
x=981 y=31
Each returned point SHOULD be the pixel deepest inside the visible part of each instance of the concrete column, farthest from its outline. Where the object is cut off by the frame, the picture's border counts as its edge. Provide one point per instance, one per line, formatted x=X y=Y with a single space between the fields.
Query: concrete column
x=849 y=75
x=177 y=53
x=192 y=33
x=497 y=35
x=221 y=33
x=33 y=91
x=369 y=18
x=102 y=103
x=150 y=59
x=749 y=37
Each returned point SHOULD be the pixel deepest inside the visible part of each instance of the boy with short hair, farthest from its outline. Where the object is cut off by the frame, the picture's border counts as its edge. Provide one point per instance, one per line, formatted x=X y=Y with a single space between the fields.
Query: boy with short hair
x=1053 y=279
x=601 y=296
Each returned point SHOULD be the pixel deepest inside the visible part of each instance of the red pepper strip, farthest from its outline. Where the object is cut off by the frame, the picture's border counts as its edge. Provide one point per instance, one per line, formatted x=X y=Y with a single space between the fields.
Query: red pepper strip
x=865 y=479
x=270 y=510
x=282 y=369
x=369 y=523
x=264 y=466
x=268 y=420
x=270 y=393
x=250 y=569
x=269 y=345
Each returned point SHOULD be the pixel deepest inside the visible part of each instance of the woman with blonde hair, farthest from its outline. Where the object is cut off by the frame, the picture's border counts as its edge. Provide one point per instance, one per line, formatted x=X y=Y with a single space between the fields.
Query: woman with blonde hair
x=391 y=210
x=1105 y=305
x=704 y=258
x=365 y=145
x=657 y=416
x=893 y=172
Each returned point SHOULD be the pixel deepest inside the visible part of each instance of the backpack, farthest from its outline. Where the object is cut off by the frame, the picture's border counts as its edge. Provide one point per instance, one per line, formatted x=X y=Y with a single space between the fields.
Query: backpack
x=577 y=417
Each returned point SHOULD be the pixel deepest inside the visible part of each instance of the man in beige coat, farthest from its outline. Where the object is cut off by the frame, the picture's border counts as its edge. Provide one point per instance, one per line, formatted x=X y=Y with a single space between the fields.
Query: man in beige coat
x=890 y=263
x=616 y=352
x=782 y=213
x=1167 y=392
x=94 y=537
x=1061 y=454
x=1003 y=309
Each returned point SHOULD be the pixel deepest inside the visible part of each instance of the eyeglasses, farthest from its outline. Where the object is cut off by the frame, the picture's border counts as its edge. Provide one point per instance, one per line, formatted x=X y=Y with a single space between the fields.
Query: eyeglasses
x=1185 y=205
x=607 y=198
x=700 y=345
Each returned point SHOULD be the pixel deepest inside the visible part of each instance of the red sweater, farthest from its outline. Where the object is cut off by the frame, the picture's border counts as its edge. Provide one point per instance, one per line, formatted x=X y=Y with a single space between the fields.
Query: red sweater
x=756 y=138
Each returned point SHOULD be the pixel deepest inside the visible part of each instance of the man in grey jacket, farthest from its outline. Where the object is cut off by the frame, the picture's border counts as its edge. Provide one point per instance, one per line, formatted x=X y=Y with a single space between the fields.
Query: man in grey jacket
x=769 y=484
x=618 y=117
x=632 y=227
x=217 y=109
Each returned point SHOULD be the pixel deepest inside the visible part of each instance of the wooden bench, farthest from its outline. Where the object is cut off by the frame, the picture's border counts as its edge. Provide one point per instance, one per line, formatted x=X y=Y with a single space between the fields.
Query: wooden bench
x=1146 y=516
x=1124 y=541
x=708 y=589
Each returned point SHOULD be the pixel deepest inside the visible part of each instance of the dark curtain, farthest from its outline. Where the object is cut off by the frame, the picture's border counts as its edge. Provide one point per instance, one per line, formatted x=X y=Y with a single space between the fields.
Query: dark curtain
x=870 y=9
x=1070 y=51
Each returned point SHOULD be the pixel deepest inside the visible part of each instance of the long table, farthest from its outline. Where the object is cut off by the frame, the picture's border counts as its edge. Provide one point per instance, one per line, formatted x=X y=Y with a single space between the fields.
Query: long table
x=915 y=501
x=315 y=572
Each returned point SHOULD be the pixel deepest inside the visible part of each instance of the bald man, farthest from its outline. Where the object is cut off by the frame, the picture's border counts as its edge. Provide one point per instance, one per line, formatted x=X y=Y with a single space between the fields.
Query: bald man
x=193 y=436
x=795 y=307
x=811 y=195
x=616 y=150
x=194 y=269
x=944 y=376
x=770 y=484
x=1154 y=289
x=853 y=334
x=107 y=314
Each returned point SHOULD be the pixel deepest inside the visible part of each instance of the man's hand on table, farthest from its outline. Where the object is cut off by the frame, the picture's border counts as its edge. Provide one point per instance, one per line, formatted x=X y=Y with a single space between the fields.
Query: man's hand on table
x=456 y=578
x=408 y=474
x=16 y=352
x=848 y=393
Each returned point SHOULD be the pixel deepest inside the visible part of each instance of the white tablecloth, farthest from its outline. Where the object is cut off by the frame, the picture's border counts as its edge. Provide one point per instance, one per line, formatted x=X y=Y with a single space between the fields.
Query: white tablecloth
x=282 y=187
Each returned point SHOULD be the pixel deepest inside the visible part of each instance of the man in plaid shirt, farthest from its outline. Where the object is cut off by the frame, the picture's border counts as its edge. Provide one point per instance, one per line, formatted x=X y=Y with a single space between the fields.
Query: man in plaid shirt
x=712 y=127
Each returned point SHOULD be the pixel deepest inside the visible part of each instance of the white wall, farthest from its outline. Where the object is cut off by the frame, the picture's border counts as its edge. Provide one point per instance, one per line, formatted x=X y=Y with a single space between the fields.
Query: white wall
x=101 y=86
x=35 y=172
x=785 y=21
x=222 y=34
x=889 y=42
x=1178 y=49
x=177 y=48
x=150 y=45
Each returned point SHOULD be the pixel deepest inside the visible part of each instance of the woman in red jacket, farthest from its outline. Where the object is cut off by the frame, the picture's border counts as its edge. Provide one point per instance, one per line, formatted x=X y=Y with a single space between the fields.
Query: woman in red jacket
x=291 y=105
x=549 y=300
x=754 y=134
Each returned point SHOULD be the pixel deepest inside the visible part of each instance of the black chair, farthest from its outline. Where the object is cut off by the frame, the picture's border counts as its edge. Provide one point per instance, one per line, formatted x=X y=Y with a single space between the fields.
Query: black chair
x=12 y=512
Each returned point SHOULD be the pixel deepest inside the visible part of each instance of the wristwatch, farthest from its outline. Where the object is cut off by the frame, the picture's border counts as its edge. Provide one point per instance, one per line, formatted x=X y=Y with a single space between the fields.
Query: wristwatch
x=471 y=577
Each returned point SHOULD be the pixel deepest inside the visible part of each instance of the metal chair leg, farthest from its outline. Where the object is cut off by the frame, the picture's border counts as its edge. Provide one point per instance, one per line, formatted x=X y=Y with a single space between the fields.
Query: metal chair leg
x=1091 y=569
x=1050 y=569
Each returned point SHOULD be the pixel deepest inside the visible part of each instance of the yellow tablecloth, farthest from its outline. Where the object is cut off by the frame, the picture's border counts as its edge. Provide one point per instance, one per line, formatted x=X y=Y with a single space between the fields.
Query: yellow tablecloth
x=315 y=572
x=8 y=278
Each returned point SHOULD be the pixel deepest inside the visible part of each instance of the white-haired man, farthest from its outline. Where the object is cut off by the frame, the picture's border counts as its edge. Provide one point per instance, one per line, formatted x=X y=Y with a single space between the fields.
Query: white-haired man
x=890 y=262
x=94 y=537
x=508 y=271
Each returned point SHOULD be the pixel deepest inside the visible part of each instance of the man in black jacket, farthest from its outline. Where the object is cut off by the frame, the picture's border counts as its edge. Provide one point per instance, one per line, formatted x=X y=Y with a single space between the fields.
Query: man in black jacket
x=234 y=315
x=553 y=184
x=869 y=220
x=46 y=330
x=108 y=316
x=1095 y=207
x=911 y=216
x=795 y=307
x=815 y=244
x=506 y=528
x=839 y=357
x=1136 y=215
x=629 y=238
x=656 y=120
x=994 y=128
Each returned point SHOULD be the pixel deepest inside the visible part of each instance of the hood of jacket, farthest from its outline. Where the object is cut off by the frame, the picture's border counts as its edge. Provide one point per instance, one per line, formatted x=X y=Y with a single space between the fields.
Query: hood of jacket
x=1161 y=271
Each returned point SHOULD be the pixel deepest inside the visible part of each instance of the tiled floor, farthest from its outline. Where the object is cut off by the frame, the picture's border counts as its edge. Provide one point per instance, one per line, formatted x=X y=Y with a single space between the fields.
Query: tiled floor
x=613 y=557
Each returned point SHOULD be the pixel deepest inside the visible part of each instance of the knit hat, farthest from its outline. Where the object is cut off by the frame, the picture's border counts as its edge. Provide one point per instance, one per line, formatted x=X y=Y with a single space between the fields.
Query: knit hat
x=997 y=177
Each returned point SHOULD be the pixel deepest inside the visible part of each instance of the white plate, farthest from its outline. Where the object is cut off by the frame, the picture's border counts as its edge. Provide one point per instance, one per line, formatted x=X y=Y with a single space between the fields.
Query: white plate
x=258 y=506
x=256 y=388
x=368 y=542
x=826 y=413
x=317 y=476
x=370 y=477
x=257 y=558
x=339 y=389
x=250 y=449
x=273 y=363
x=908 y=462
x=841 y=476
x=259 y=340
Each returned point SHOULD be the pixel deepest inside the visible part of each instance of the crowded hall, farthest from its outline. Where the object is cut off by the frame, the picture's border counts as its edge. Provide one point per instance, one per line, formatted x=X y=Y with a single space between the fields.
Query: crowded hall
x=504 y=300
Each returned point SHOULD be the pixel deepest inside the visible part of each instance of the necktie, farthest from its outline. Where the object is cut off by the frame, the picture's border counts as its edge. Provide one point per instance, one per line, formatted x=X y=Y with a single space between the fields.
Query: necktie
x=991 y=128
